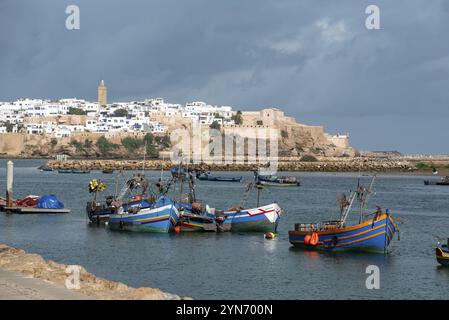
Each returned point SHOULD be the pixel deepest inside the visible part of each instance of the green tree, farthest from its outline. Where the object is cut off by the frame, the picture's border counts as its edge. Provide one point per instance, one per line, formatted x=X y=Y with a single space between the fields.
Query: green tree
x=308 y=158
x=53 y=142
x=284 y=134
x=76 y=144
x=132 y=144
x=151 y=151
x=120 y=113
x=76 y=111
x=105 y=146
x=148 y=138
x=163 y=141
x=9 y=126
x=215 y=125
x=88 y=144
x=237 y=118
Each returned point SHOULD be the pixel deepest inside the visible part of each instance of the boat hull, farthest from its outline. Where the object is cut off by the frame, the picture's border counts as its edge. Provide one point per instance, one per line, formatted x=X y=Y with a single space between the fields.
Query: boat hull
x=371 y=236
x=278 y=184
x=261 y=219
x=442 y=255
x=160 y=220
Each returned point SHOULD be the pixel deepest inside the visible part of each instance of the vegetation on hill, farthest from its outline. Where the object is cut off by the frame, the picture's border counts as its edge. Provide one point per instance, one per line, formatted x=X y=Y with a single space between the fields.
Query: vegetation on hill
x=237 y=118
x=308 y=158
x=76 y=112
x=215 y=125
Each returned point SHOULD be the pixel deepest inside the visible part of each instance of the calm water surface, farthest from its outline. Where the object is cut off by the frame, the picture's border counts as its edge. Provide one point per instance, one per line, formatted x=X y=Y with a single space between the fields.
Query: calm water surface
x=242 y=266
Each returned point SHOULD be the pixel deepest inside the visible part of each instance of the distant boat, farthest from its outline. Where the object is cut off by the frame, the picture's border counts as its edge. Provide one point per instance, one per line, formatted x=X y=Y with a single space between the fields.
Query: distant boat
x=80 y=171
x=442 y=254
x=275 y=181
x=64 y=171
x=46 y=169
x=207 y=177
x=442 y=182
x=108 y=171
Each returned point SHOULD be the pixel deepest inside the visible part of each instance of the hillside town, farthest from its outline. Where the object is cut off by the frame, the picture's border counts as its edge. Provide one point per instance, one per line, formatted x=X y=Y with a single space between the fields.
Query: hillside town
x=31 y=115
x=42 y=127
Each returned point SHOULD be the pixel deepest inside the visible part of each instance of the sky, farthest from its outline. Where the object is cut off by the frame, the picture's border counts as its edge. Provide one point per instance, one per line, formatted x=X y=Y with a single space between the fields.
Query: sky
x=316 y=60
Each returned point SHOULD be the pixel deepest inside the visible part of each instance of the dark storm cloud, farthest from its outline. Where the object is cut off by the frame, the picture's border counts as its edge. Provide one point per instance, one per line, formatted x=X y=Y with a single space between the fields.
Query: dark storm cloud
x=314 y=59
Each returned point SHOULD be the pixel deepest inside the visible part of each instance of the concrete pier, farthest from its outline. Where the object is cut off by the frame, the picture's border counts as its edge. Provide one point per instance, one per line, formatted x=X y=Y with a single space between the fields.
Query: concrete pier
x=17 y=286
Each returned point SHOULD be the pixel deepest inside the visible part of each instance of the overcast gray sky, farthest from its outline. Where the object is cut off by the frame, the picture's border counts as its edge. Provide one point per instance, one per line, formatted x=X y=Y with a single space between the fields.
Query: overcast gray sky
x=387 y=88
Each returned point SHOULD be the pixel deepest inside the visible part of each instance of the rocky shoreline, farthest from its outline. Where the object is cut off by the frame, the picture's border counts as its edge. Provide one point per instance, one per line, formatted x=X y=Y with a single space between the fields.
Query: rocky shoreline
x=34 y=265
x=346 y=165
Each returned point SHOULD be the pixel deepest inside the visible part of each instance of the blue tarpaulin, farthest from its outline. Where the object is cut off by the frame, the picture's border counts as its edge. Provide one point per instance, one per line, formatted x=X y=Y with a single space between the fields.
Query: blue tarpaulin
x=49 y=201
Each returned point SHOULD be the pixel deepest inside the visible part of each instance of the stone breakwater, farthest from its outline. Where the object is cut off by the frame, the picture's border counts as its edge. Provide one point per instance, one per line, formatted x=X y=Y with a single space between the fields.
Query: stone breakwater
x=346 y=165
x=35 y=266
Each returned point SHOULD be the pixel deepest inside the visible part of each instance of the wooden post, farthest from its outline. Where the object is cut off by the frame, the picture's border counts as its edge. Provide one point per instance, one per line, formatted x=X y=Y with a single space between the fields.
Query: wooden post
x=9 y=181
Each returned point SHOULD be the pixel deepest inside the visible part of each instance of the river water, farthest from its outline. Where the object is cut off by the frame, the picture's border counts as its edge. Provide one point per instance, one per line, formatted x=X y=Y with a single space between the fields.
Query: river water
x=242 y=266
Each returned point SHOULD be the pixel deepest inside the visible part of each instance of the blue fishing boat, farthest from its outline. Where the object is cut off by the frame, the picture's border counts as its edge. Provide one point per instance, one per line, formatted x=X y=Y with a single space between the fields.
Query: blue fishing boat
x=372 y=234
x=132 y=197
x=260 y=219
x=276 y=181
x=209 y=177
x=161 y=217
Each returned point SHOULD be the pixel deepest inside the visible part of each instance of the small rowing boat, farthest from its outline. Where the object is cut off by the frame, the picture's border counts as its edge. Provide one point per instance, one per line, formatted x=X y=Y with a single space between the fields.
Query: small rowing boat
x=275 y=181
x=80 y=171
x=207 y=177
x=441 y=182
x=64 y=171
x=107 y=171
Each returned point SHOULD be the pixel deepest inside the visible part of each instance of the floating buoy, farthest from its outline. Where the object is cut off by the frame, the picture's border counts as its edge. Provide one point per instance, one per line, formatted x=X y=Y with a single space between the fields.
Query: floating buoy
x=270 y=235
x=177 y=229
x=307 y=239
x=314 y=239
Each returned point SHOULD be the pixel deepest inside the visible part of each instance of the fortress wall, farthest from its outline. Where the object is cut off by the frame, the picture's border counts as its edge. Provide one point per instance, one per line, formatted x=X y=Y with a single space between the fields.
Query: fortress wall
x=12 y=143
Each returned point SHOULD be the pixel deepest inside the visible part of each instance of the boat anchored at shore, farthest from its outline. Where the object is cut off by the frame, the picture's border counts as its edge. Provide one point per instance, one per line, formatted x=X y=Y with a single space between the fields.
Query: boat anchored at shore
x=441 y=182
x=373 y=234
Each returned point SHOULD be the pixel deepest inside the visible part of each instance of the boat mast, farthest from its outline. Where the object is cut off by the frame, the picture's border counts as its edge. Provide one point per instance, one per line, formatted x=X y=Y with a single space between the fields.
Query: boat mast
x=364 y=198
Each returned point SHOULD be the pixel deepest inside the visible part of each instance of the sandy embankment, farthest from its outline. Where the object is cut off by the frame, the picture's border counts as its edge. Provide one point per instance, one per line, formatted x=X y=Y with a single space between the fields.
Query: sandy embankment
x=33 y=265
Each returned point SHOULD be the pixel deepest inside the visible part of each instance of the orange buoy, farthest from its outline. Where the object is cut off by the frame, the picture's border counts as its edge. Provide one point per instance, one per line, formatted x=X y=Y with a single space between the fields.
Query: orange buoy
x=307 y=239
x=177 y=229
x=314 y=239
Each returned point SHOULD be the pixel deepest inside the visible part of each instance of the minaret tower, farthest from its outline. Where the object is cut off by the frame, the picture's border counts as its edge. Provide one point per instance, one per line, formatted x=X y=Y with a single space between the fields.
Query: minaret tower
x=102 y=94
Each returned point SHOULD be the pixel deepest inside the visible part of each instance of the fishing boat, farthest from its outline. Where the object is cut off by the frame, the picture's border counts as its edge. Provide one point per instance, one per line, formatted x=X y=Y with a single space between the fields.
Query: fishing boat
x=131 y=196
x=260 y=219
x=80 y=171
x=441 y=182
x=107 y=171
x=208 y=177
x=275 y=181
x=263 y=218
x=371 y=234
x=46 y=169
x=161 y=217
x=64 y=171
x=442 y=254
